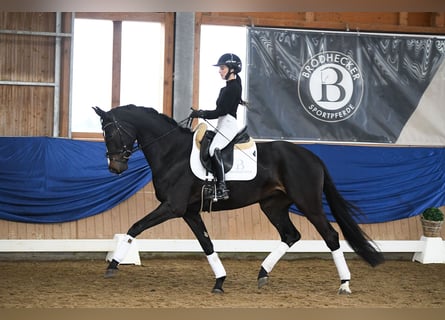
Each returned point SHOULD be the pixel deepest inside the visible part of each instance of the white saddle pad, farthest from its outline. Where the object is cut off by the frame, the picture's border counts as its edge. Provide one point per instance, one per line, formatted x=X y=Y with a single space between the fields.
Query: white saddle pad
x=244 y=159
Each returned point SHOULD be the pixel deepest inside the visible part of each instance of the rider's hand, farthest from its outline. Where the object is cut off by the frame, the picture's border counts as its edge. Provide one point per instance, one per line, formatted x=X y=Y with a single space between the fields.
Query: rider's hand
x=197 y=114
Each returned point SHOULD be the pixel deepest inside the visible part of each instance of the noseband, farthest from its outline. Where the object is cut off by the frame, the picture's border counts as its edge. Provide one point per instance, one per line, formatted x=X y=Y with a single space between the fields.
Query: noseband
x=125 y=152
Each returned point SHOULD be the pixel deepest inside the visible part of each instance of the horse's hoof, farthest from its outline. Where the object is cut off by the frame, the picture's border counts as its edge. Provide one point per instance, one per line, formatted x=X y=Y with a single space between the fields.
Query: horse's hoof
x=262 y=282
x=342 y=291
x=344 y=288
x=110 y=273
x=217 y=290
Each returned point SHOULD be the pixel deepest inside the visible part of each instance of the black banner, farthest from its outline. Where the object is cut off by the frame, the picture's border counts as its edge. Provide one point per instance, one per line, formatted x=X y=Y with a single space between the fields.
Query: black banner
x=341 y=86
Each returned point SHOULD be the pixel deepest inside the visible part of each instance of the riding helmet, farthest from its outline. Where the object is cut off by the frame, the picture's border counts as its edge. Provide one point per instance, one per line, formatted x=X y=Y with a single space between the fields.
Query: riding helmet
x=232 y=61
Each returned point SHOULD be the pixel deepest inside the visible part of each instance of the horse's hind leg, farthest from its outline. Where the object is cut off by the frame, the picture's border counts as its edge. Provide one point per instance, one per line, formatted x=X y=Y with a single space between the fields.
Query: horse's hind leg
x=318 y=218
x=277 y=211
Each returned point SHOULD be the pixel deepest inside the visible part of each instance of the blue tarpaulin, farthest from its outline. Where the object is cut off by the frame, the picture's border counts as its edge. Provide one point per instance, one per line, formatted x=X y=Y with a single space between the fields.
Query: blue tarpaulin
x=47 y=180
x=53 y=180
x=387 y=183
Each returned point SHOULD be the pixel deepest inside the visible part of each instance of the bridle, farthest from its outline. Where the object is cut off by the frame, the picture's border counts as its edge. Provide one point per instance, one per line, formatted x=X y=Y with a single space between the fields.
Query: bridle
x=126 y=152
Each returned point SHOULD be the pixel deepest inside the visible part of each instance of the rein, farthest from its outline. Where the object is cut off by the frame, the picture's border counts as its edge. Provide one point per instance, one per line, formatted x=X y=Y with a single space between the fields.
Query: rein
x=125 y=151
x=139 y=147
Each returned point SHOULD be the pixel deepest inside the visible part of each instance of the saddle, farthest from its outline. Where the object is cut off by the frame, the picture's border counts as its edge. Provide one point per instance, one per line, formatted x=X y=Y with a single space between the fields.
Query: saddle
x=239 y=157
x=204 y=138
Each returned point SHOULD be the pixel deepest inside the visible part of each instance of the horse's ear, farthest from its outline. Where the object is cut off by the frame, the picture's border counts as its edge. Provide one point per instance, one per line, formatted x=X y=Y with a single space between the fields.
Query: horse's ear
x=99 y=112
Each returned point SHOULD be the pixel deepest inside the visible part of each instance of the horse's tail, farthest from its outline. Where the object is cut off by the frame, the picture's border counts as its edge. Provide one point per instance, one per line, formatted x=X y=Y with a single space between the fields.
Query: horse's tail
x=344 y=213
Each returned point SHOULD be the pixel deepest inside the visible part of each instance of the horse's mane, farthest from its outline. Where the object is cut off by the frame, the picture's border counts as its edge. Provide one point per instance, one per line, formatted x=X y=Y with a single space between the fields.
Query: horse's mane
x=154 y=112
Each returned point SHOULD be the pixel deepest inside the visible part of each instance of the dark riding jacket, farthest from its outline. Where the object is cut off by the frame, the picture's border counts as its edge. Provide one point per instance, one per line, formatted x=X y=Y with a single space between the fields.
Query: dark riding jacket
x=227 y=102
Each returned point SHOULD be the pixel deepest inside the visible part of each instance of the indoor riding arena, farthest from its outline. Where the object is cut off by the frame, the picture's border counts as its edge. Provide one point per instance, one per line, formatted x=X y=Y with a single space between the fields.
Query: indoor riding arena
x=360 y=94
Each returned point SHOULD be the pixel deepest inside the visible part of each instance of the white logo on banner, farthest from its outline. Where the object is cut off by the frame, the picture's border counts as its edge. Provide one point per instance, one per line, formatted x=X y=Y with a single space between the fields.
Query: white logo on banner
x=330 y=86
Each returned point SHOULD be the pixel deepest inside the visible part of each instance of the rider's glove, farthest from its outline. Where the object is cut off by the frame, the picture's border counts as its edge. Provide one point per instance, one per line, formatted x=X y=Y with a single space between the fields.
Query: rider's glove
x=197 y=114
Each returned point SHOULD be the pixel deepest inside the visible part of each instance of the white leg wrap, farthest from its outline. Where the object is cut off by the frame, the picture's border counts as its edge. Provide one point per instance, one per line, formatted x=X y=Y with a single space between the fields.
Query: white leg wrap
x=273 y=257
x=216 y=264
x=340 y=263
x=123 y=246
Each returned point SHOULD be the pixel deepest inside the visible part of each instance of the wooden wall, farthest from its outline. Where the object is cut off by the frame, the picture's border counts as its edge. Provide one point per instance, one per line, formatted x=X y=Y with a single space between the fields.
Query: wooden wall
x=28 y=111
x=244 y=224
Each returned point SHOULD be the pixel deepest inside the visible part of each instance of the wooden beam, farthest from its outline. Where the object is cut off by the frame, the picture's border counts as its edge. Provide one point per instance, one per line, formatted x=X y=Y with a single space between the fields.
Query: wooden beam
x=64 y=119
x=340 y=23
x=120 y=16
x=438 y=19
x=117 y=57
x=169 y=44
x=403 y=18
x=310 y=16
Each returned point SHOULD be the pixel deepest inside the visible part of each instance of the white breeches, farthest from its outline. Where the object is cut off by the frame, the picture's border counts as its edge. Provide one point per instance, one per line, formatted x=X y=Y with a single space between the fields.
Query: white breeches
x=226 y=130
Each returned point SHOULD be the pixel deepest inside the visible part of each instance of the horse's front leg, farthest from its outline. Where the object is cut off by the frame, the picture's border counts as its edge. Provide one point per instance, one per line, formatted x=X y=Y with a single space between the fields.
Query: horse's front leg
x=194 y=221
x=162 y=213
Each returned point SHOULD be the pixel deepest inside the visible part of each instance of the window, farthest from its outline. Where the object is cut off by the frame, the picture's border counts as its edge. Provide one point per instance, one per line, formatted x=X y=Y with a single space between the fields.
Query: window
x=107 y=75
x=215 y=41
x=142 y=67
x=92 y=72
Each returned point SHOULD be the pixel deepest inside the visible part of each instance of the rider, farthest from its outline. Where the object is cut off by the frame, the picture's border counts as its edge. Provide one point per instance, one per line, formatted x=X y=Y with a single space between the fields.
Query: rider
x=226 y=107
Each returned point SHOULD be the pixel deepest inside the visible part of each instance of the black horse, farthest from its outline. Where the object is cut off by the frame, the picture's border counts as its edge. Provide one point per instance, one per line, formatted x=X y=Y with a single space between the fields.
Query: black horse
x=286 y=174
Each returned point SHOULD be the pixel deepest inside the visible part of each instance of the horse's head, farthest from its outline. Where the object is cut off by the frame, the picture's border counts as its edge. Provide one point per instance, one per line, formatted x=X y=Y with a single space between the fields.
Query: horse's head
x=119 y=141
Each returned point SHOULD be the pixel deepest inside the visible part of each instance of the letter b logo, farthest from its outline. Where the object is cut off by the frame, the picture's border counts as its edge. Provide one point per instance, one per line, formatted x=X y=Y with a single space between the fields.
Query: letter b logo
x=332 y=83
x=329 y=84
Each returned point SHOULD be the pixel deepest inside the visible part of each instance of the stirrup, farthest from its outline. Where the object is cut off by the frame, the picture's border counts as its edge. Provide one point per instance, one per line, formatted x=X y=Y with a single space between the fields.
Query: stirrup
x=222 y=193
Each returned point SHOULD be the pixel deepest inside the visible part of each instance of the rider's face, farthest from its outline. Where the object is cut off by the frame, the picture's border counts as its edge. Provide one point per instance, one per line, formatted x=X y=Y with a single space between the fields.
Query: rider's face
x=223 y=70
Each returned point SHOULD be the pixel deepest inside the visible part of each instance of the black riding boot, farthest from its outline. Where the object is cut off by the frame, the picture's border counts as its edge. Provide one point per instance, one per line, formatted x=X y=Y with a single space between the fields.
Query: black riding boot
x=222 y=193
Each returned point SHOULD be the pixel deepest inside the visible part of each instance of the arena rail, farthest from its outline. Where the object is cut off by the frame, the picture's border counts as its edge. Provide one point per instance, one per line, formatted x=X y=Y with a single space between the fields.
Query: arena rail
x=425 y=250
